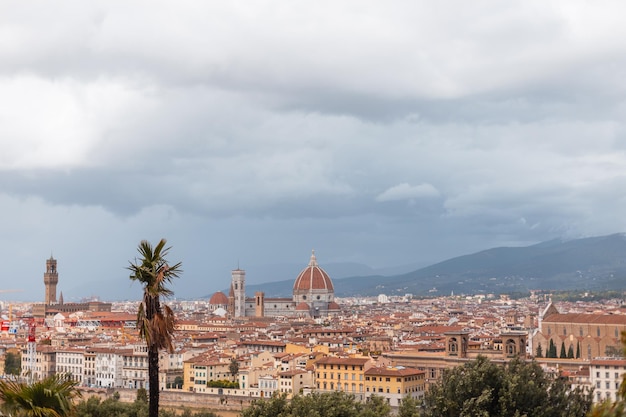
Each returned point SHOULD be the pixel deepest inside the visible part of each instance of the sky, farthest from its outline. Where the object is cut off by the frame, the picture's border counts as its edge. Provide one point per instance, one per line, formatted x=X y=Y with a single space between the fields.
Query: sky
x=249 y=133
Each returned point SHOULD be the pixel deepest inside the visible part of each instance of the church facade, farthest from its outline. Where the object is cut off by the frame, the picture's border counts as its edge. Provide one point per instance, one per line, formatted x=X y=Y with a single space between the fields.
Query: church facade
x=313 y=297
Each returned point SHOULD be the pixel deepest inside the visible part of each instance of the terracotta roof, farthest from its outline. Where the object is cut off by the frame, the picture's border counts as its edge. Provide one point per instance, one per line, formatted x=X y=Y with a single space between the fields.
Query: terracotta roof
x=313 y=278
x=219 y=298
x=609 y=361
x=332 y=360
x=586 y=318
x=303 y=307
x=393 y=371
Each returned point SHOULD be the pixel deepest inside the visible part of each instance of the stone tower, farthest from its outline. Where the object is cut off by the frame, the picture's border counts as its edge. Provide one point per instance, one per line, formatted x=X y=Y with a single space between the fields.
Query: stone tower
x=50 y=279
x=259 y=308
x=238 y=285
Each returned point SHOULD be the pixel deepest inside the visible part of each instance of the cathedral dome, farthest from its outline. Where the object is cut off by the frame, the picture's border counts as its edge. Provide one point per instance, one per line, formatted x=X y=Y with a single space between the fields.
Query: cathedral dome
x=219 y=298
x=313 y=278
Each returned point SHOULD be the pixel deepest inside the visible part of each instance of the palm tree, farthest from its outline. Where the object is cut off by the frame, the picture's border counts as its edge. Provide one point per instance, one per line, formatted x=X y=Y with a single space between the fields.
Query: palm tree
x=51 y=397
x=155 y=321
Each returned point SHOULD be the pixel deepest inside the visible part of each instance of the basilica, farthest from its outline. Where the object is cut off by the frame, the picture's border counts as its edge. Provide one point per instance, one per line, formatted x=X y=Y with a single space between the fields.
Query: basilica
x=313 y=297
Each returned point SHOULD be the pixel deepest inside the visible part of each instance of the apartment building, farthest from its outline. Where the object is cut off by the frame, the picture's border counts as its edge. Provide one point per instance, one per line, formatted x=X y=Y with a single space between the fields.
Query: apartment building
x=294 y=381
x=342 y=374
x=605 y=375
x=109 y=367
x=135 y=367
x=394 y=383
x=71 y=362
x=199 y=370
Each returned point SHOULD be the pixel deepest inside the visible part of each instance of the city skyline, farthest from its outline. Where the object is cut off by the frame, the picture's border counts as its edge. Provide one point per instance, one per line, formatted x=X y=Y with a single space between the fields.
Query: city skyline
x=247 y=135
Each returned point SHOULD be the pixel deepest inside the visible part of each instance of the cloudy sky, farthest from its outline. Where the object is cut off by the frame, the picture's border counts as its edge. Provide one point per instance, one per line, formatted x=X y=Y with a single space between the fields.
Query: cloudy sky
x=249 y=133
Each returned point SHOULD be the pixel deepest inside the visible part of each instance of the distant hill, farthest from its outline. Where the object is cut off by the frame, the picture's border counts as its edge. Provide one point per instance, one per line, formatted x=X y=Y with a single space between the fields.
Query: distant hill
x=595 y=263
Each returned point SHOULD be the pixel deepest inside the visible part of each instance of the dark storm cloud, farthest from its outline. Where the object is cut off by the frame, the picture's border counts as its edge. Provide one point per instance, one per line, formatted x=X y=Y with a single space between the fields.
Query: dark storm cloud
x=377 y=133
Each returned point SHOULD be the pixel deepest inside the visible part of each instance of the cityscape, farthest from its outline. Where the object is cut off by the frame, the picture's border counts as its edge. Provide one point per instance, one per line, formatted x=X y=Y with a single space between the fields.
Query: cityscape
x=232 y=349
x=313 y=209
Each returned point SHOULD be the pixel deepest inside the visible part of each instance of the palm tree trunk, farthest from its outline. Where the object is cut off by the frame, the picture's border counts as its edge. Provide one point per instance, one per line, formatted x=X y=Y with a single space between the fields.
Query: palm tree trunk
x=153 y=381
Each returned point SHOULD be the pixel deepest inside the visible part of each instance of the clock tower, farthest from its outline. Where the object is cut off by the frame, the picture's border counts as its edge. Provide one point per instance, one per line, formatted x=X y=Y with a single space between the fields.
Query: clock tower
x=50 y=279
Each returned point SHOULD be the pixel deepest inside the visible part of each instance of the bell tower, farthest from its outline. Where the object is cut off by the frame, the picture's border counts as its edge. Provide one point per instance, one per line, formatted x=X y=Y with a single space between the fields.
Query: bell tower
x=238 y=285
x=50 y=279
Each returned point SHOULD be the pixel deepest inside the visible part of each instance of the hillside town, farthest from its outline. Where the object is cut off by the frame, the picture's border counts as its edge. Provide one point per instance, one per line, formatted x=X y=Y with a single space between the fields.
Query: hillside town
x=232 y=348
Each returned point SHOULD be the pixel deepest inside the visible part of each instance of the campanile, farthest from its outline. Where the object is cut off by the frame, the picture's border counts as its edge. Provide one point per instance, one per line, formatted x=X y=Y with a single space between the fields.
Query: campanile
x=50 y=279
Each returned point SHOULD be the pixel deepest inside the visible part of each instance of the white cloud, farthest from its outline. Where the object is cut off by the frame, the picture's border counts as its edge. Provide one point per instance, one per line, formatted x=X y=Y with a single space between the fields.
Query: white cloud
x=406 y=191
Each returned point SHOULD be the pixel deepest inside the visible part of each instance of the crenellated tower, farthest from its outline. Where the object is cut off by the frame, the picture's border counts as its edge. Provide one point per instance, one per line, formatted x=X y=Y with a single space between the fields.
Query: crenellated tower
x=50 y=279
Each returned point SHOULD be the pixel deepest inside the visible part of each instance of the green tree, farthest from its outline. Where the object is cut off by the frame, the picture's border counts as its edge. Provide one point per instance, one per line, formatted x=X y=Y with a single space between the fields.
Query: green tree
x=375 y=406
x=551 y=350
x=482 y=388
x=142 y=395
x=233 y=368
x=155 y=320
x=410 y=407
x=51 y=397
x=12 y=363
x=327 y=404
x=464 y=389
x=563 y=355
x=551 y=353
x=272 y=407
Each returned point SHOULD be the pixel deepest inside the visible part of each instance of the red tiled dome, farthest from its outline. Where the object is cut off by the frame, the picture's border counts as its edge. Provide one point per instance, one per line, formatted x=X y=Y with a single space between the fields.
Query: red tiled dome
x=219 y=298
x=313 y=278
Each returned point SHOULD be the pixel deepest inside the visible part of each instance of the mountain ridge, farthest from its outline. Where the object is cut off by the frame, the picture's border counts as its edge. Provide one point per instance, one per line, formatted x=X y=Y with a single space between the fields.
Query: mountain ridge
x=592 y=263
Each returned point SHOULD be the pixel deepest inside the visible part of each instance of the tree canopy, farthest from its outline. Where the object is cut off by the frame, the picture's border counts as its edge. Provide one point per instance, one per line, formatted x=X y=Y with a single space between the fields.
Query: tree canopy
x=12 y=363
x=328 y=404
x=112 y=407
x=483 y=388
